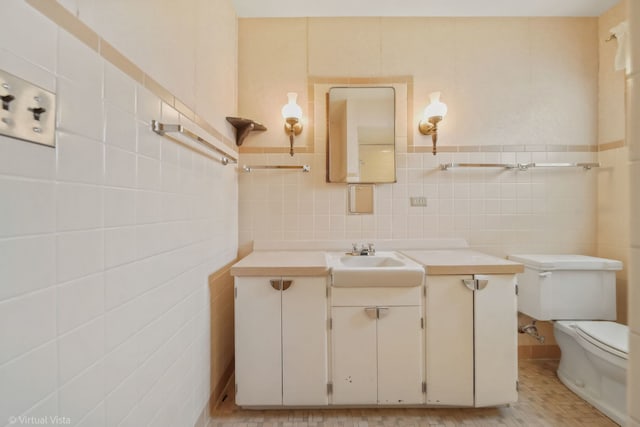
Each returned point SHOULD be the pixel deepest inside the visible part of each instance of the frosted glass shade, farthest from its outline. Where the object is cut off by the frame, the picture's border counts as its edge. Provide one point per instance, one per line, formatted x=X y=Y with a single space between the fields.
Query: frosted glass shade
x=435 y=107
x=292 y=109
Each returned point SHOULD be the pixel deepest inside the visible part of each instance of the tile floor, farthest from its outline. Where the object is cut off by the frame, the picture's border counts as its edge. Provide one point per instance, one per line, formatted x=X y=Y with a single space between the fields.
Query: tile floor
x=543 y=401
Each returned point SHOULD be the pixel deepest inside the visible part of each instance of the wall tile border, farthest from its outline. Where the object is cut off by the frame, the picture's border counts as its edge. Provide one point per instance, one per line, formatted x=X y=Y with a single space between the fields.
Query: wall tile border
x=66 y=20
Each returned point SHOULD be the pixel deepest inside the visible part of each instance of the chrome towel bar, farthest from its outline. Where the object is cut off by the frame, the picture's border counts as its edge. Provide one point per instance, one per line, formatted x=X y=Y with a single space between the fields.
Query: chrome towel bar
x=163 y=129
x=303 y=168
x=519 y=166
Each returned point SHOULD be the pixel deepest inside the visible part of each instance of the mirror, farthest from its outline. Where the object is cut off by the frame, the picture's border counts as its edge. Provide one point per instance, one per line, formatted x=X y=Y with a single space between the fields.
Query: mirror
x=361 y=145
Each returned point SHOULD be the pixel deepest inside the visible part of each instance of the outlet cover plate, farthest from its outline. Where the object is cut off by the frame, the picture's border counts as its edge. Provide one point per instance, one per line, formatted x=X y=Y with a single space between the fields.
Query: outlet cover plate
x=418 y=201
x=31 y=113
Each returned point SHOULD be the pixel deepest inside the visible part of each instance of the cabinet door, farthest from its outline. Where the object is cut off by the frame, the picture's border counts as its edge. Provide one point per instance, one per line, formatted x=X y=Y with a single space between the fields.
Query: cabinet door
x=496 y=352
x=400 y=356
x=304 y=341
x=354 y=355
x=449 y=341
x=258 y=342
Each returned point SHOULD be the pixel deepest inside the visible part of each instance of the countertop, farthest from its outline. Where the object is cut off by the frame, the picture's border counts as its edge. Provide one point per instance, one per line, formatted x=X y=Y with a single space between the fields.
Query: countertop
x=282 y=263
x=462 y=261
x=314 y=263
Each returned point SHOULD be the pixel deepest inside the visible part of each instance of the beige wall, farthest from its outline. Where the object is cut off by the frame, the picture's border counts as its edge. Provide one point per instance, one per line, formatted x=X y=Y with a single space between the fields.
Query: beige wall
x=633 y=135
x=518 y=90
x=613 y=177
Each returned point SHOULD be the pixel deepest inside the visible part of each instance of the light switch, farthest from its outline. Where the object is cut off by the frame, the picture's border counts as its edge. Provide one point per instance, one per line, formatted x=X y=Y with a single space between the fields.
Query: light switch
x=28 y=112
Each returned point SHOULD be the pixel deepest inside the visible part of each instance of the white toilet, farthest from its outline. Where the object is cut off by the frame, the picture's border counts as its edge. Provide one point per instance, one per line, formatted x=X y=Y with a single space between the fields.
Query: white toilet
x=578 y=293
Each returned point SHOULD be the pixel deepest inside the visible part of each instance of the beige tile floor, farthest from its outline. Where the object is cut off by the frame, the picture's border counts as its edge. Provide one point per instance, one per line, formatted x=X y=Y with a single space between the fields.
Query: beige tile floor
x=543 y=401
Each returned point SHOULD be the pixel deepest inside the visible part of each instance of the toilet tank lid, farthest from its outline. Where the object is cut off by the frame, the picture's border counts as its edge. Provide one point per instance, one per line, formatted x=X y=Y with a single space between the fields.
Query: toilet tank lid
x=566 y=262
x=606 y=334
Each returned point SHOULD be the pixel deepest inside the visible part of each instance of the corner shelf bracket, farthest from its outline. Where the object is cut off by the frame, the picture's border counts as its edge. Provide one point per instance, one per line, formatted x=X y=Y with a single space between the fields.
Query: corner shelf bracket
x=244 y=127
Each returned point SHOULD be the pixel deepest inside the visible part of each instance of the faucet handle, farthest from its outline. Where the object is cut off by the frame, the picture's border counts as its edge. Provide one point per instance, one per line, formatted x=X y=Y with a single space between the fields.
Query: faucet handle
x=354 y=249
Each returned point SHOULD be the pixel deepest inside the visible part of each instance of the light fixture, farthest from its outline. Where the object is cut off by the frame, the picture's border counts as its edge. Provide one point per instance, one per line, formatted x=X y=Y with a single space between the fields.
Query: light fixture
x=292 y=114
x=433 y=114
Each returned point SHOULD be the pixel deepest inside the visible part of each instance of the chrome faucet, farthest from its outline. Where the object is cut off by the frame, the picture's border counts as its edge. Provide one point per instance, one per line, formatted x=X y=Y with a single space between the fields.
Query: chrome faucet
x=369 y=249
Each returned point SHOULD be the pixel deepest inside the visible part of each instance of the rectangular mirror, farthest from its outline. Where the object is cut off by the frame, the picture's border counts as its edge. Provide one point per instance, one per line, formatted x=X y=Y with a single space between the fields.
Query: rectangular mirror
x=361 y=135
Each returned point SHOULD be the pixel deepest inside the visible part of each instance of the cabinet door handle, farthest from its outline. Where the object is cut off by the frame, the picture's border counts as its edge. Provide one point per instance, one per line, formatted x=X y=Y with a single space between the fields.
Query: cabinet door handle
x=482 y=283
x=276 y=284
x=286 y=284
x=470 y=283
x=382 y=312
x=372 y=312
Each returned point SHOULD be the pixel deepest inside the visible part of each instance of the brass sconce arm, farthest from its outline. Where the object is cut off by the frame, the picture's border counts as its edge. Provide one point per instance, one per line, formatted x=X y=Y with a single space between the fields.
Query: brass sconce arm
x=430 y=127
x=293 y=127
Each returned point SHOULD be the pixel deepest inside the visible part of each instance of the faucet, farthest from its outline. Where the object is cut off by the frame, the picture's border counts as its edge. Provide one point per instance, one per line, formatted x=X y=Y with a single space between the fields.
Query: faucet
x=369 y=249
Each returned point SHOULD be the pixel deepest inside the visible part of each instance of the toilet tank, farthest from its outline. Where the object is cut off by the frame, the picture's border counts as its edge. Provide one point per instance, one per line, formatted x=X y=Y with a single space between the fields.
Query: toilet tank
x=567 y=287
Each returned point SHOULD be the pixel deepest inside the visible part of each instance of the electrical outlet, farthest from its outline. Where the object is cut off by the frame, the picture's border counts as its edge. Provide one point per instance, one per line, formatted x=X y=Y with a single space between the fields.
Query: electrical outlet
x=418 y=201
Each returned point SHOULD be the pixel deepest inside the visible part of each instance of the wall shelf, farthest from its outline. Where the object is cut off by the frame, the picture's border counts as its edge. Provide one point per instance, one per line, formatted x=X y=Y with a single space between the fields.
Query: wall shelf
x=244 y=127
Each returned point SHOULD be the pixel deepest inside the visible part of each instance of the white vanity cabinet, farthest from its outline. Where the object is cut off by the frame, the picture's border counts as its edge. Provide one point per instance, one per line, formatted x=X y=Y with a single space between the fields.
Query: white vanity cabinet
x=376 y=339
x=471 y=340
x=281 y=341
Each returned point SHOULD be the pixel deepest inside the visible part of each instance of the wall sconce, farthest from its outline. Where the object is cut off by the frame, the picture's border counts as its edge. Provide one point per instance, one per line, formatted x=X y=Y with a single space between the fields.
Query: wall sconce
x=292 y=113
x=433 y=114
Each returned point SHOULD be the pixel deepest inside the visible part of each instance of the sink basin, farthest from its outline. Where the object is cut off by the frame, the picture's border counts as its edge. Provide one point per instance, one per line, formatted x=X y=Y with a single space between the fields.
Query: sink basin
x=370 y=261
x=384 y=269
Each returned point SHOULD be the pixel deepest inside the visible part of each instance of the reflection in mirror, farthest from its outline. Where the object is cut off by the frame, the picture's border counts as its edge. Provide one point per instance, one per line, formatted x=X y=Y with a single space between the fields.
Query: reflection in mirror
x=361 y=145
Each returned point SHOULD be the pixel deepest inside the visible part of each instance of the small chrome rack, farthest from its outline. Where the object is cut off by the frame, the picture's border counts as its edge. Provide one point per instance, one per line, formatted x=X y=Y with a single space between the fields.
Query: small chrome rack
x=163 y=129
x=518 y=166
x=303 y=168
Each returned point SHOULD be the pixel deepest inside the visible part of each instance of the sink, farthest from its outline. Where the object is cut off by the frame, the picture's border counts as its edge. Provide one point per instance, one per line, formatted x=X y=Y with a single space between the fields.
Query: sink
x=370 y=261
x=384 y=269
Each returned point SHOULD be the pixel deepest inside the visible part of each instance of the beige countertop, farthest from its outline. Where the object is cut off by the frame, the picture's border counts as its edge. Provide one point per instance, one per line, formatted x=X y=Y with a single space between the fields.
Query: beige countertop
x=314 y=263
x=462 y=261
x=282 y=263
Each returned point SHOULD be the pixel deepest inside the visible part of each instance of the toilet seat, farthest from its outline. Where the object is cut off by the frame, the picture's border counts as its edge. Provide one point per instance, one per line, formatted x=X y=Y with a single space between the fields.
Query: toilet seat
x=610 y=337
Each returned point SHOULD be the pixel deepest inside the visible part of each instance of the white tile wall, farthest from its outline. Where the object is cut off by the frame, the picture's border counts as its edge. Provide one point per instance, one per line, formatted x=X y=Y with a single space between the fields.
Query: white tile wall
x=80 y=301
x=120 y=129
x=28 y=379
x=119 y=89
x=28 y=207
x=79 y=396
x=42 y=166
x=497 y=211
x=27 y=25
x=79 y=207
x=119 y=207
x=17 y=272
x=79 y=112
x=80 y=159
x=80 y=348
x=105 y=243
x=36 y=315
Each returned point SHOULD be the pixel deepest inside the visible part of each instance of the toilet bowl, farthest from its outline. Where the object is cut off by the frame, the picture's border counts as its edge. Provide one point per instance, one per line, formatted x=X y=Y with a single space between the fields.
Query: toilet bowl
x=593 y=363
x=577 y=293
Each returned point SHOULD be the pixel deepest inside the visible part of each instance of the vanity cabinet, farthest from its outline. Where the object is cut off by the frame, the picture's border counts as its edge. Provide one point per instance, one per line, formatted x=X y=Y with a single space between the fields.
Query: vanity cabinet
x=377 y=353
x=471 y=340
x=281 y=341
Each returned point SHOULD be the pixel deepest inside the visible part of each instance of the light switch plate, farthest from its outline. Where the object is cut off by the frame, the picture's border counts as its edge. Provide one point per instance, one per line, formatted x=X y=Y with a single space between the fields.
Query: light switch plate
x=418 y=201
x=27 y=111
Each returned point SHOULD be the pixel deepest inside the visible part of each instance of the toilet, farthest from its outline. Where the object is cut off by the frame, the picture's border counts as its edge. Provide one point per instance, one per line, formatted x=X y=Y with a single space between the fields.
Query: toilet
x=578 y=293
